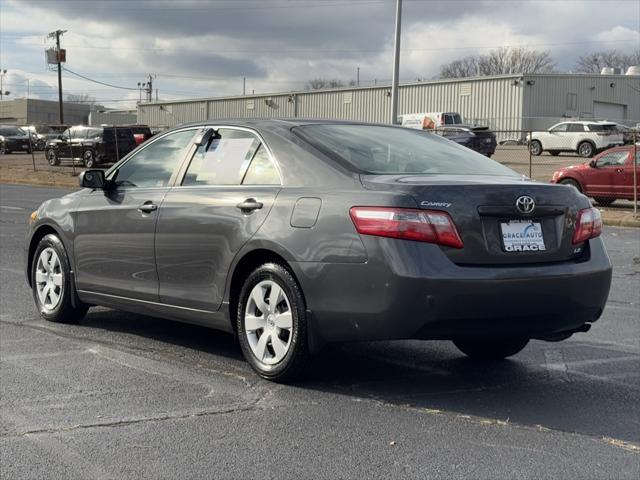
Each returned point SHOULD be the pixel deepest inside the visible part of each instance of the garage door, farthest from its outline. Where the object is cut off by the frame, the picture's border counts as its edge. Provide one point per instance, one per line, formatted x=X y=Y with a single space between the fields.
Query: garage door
x=609 y=111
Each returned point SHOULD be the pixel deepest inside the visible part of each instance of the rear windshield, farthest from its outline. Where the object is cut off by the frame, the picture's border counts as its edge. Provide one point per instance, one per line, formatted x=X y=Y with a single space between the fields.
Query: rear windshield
x=393 y=150
x=12 y=131
x=452 y=119
x=603 y=128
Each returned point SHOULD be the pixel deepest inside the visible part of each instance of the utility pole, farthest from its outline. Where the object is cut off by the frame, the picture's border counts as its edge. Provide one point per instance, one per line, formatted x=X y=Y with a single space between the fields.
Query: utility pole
x=357 y=76
x=2 y=92
x=244 y=86
x=59 y=59
x=150 y=89
x=396 y=65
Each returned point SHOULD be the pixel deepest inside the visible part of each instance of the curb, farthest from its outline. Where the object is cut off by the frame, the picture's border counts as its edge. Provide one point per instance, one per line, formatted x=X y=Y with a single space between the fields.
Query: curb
x=621 y=222
x=39 y=183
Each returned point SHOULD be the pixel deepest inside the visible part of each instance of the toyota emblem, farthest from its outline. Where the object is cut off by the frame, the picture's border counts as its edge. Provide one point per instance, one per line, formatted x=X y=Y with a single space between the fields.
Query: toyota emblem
x=525 y=204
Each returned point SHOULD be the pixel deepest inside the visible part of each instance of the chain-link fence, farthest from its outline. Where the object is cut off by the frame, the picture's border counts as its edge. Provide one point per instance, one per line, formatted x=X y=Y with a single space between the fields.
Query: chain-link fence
x=603 y=164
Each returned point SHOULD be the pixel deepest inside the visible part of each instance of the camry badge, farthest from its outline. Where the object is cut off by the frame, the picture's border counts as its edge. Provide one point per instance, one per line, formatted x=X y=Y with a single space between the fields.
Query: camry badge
x=525 y=204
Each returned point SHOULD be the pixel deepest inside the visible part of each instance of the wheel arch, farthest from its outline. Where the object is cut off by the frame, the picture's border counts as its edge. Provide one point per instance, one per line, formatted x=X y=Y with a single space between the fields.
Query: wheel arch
x=38 y=234
x=573 y=179
x=244 y=265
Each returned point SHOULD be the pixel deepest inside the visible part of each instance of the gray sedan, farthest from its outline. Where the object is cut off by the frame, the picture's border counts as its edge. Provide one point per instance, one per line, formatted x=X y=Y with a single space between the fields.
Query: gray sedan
x=295 y=234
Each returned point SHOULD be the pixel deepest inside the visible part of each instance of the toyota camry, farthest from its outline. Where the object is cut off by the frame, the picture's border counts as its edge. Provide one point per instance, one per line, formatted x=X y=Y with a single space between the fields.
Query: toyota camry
x=296 y=234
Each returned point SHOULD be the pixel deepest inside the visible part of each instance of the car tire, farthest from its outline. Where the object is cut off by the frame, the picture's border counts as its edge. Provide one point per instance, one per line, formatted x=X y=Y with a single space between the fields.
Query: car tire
x=491 y=349
x=3 y=149
x=273 y=339
x=604 y=201
x=555 y=153
x=573 y=183
x=586 y=149
x=52 y=283
x=89 y=158
x=52 y=157
x=535 y=148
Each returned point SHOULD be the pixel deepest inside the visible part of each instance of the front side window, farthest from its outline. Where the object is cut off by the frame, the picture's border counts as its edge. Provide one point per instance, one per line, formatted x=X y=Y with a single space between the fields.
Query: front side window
x=614 y=159
x=78 y=133
x=224 y=160
x=393 y=150
x=153 y=165
x=559 y=128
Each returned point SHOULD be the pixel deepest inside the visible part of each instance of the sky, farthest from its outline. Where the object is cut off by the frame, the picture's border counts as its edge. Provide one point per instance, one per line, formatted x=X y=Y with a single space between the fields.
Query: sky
x=204 y=48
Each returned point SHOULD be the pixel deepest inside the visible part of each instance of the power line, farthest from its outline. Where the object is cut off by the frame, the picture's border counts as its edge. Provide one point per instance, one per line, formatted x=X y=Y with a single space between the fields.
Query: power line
x=98 y=81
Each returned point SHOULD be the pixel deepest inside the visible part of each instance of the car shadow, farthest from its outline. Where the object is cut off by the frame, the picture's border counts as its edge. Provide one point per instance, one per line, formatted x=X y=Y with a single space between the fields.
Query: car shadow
x=435 y=378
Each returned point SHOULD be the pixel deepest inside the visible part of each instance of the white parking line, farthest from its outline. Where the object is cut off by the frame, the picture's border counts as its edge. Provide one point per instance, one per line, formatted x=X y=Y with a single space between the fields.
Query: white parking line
x=6 y=207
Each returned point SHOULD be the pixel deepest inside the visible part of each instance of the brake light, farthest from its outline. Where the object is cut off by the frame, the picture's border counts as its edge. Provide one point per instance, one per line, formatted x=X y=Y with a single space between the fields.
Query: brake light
x=588 y=225
x=430 y=226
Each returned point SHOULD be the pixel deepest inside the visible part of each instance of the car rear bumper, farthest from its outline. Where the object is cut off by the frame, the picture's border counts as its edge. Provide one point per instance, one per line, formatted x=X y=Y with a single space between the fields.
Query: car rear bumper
x=392 y=299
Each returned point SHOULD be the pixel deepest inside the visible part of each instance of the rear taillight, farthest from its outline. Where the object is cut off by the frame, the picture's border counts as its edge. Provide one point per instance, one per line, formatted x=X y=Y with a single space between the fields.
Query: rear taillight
x=588 y=225
x=430 y=226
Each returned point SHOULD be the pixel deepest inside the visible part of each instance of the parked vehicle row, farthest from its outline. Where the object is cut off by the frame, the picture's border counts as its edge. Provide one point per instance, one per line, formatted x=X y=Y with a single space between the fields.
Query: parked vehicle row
x=14 y=139
x=607 y=177
x=95 y=145
x=296 y=234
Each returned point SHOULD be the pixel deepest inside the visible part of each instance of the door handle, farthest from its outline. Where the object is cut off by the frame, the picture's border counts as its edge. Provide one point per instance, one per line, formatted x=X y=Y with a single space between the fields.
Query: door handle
x=619 y=170
x=147 y=207
x=249 y=205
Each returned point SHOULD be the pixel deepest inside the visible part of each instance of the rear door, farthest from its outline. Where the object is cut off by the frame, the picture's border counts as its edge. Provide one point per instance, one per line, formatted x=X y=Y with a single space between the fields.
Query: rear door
x=628 y=181
x=114 y=244
x=227 y=191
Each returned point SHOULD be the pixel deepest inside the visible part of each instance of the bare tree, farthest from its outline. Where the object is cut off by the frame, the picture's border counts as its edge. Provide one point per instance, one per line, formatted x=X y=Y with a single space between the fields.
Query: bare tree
x=321 y=83
x=631 y=59
x=81 y=98
x=594 y=62
x=504 y=60
x=464 y=67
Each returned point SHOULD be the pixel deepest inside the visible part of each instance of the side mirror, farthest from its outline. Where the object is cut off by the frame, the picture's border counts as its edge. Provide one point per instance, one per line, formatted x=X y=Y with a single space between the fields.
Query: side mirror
x=593 y=164
x=92 y=179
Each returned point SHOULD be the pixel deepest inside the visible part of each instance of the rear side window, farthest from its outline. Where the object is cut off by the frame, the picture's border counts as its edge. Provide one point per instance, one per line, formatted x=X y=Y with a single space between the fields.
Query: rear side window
x=603 y=128
x=394 y=150
x=261 y=171
x=224 y=160
x=575 y=127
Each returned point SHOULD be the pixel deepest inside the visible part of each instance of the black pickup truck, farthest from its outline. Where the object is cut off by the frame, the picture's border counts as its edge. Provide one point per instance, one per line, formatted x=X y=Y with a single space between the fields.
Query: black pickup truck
x=91 y=145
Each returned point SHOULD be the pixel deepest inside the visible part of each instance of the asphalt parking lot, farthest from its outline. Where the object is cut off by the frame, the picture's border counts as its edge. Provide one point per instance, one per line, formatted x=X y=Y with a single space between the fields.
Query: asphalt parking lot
x=127 y=396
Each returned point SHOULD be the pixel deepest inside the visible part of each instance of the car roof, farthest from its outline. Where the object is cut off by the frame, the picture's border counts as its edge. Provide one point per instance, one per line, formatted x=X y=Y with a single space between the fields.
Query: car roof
x=278 y=122
x=589 y=122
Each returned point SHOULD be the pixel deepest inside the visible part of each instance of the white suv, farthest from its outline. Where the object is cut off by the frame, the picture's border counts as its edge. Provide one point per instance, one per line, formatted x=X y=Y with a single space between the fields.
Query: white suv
x=583 y=137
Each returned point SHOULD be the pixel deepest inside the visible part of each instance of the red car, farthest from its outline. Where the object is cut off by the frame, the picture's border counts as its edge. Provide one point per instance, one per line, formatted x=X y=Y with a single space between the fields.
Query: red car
x=607 y=177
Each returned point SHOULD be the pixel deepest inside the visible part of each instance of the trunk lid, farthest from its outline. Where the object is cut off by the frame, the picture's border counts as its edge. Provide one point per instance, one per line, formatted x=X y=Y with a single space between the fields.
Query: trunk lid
x=484 y=210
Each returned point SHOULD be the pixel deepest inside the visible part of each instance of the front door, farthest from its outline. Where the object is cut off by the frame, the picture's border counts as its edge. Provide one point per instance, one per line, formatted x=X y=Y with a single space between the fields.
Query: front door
x=606 y=178
x=114 y=244
x=225 y=196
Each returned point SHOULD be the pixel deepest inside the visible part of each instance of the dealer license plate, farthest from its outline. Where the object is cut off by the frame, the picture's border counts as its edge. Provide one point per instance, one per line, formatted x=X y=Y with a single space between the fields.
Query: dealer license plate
x=522 y=236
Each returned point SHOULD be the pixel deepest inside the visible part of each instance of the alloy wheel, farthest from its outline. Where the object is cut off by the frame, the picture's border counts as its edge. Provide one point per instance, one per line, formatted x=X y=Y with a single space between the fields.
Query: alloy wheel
x=49 y=279
x=268 y=322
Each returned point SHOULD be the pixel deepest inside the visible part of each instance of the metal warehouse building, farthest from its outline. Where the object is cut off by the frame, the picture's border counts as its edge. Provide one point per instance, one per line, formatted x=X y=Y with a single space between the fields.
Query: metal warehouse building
x=23 y=111
x=506 y=102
